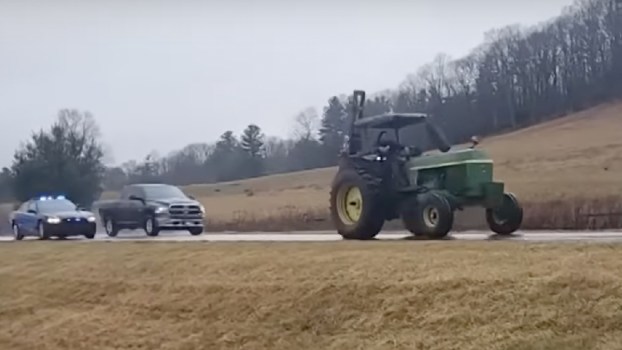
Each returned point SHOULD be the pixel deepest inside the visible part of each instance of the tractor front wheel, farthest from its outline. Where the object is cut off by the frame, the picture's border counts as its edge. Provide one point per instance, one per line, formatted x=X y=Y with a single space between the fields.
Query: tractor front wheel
x=428 y=215
x=507 y=218
x=356 y=205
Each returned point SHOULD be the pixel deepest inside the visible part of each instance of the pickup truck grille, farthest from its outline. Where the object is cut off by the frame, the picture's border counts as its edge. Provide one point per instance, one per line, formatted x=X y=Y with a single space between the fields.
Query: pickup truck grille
x=184 y=210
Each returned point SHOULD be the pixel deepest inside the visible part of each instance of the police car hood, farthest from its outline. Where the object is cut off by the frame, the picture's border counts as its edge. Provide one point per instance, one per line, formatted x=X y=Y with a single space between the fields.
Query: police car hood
x=70 y=214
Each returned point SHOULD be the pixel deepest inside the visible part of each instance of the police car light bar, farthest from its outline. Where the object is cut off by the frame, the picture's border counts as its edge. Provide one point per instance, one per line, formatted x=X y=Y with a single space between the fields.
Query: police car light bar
x=49 y=198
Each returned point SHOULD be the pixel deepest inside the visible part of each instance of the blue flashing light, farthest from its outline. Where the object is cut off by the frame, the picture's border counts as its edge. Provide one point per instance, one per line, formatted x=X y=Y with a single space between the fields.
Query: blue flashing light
x=51 y=198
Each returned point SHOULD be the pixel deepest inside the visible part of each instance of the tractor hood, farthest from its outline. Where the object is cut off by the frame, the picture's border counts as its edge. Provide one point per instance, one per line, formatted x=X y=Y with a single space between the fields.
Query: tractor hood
x=439 y=160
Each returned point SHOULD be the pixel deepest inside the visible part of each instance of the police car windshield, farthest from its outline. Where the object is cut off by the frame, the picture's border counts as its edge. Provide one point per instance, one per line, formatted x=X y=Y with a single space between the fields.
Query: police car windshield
x=161 y=192
x=55 y=205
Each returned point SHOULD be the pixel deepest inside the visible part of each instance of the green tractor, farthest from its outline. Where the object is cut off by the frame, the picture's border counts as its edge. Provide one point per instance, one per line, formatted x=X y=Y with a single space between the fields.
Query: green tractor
x=380 y=180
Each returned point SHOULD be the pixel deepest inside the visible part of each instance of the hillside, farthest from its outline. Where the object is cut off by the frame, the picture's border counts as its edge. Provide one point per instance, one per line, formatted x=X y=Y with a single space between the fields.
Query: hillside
x=576 y=156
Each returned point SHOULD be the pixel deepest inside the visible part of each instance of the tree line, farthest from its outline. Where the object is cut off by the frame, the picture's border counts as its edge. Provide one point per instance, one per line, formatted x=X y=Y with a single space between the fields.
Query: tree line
x=516 y=78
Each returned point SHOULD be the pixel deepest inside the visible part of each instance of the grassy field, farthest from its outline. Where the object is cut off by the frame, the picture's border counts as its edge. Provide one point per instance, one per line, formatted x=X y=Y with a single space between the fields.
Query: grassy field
x=576 y=159
x=346 y=295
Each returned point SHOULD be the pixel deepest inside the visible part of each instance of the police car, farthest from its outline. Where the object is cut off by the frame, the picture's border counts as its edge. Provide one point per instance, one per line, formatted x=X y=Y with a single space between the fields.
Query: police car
x=50 y=216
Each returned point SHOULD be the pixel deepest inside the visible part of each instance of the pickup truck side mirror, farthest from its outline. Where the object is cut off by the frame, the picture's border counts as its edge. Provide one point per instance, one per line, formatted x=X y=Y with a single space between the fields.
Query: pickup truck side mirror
x=136 y=198
x=32 y=211
x=192 y=197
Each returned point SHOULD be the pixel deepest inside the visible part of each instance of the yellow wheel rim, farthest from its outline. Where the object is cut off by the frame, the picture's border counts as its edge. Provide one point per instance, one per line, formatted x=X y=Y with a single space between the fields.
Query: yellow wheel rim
x=431 y=216
x=349 y=204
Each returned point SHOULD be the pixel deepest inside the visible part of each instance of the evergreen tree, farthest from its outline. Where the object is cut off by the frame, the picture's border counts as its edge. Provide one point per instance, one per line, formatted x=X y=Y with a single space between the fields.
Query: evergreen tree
x=227 y=160
x=252 y=142
x=333 y=129
x=66 y=159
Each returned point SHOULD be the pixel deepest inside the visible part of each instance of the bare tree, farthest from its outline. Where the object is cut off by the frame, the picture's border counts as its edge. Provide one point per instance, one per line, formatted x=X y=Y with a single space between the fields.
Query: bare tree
x=307 y=124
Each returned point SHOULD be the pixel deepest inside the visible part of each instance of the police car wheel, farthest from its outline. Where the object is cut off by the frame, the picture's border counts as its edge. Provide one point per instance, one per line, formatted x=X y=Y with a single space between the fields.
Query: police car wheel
x=17 y=233
x=42 y=233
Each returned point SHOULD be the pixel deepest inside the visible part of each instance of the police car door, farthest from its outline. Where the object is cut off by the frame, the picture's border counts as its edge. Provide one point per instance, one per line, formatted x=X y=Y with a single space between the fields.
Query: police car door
x=30 y=218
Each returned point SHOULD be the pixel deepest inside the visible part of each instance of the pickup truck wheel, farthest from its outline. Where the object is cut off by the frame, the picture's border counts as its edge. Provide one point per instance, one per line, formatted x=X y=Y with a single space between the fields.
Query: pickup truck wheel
x=111 y=227
x=17 y=233
x=195 y=231
x=151 y=226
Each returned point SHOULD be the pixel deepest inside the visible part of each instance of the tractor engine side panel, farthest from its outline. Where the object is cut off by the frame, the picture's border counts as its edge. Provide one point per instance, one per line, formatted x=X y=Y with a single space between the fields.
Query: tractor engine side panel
x=467 y=179
x=476 y=176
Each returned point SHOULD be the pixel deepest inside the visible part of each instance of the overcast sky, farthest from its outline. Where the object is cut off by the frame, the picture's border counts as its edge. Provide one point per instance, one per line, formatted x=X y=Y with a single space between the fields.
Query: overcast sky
x=158 y=75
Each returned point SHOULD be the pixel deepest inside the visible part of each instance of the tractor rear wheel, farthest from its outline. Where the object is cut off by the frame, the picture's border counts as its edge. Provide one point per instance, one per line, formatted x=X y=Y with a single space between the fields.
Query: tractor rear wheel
x=356 y=204
x=428 y=215
x=507 y=218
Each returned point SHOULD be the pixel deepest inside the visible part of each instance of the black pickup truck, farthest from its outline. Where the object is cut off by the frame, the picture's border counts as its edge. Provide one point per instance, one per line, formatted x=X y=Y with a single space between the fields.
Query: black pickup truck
x=152 y=207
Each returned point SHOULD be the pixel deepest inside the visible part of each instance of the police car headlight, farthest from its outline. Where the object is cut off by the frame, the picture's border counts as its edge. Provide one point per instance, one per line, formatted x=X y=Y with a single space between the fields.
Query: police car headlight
x=53 y=220
x=161 y=210
x=90 y=219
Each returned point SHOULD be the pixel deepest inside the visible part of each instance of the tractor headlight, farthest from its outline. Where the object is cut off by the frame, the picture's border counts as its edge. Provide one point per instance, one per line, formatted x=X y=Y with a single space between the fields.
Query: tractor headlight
x=53 y=220
x=90 y=219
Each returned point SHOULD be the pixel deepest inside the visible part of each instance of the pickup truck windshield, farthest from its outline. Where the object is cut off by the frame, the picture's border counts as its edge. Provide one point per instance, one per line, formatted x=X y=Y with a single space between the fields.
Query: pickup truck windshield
x=158 y=192
x=55 y=206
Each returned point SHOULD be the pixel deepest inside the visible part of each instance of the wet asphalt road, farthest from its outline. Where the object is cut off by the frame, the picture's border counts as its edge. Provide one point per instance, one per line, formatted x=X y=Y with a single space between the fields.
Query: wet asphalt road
x=327 y=236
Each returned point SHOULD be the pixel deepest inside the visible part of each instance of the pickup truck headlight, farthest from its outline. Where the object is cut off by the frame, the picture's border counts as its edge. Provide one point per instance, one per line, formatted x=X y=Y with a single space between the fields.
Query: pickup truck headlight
x=202 y=209
x=90 y=219
x=161 y=210
x=53 y=220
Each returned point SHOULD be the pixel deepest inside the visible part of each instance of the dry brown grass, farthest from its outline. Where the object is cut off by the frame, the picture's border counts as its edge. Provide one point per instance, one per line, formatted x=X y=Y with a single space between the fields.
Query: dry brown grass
x=576 y=158
x=346 y=295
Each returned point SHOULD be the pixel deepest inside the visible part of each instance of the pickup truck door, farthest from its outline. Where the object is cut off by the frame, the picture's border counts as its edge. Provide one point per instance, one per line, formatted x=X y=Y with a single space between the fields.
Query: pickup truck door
x=118 y=210
x=133 y=205
x=134 y=211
